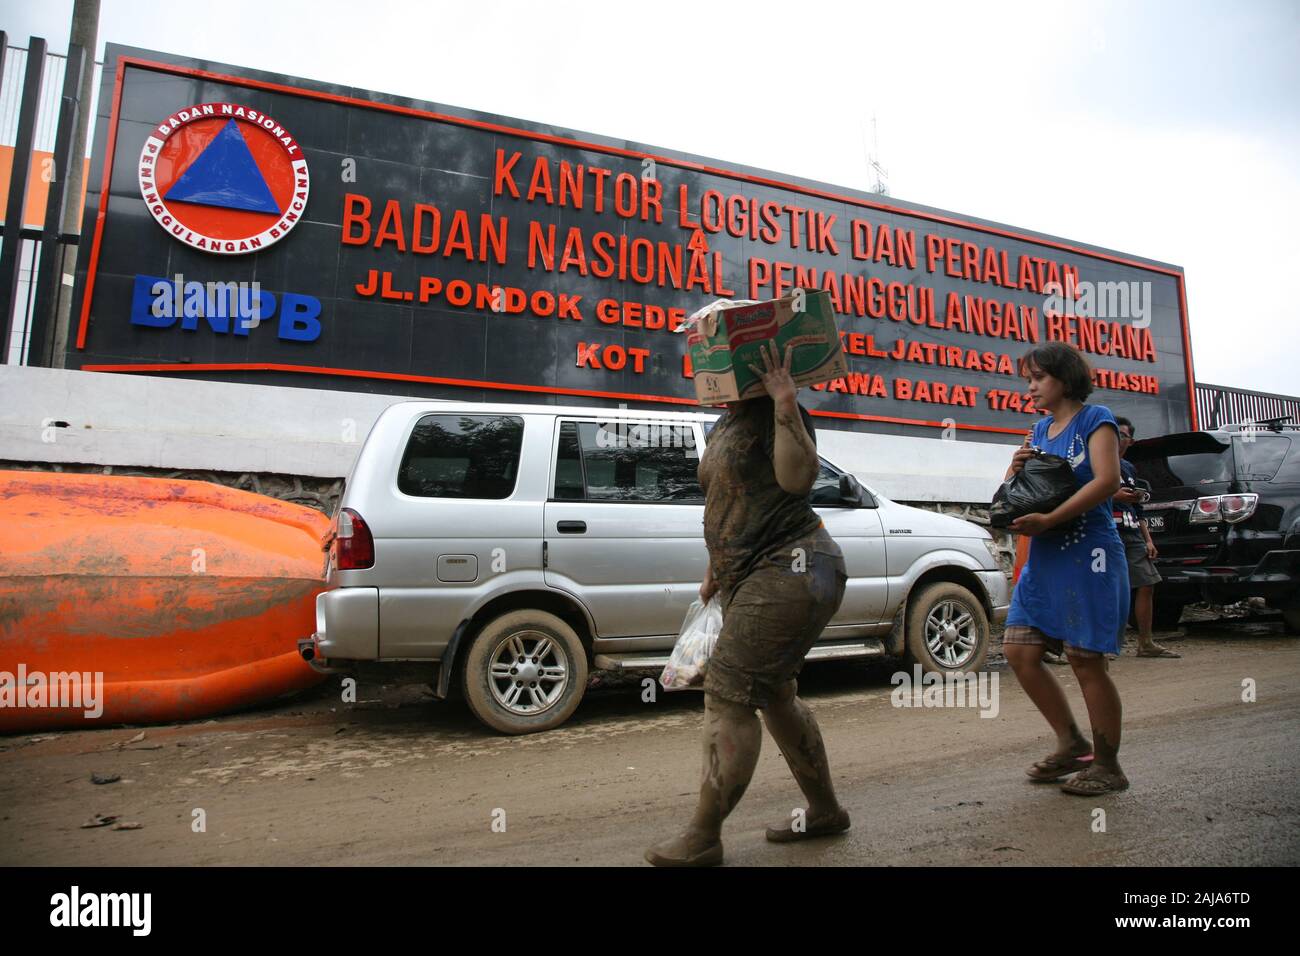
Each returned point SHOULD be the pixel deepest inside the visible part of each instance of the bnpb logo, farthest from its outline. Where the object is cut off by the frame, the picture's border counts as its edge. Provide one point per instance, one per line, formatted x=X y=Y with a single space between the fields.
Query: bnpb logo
x=224 y=178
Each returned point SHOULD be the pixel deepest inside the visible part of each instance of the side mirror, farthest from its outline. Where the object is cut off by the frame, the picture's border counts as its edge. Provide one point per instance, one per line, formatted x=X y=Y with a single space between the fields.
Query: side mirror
x=850 y=491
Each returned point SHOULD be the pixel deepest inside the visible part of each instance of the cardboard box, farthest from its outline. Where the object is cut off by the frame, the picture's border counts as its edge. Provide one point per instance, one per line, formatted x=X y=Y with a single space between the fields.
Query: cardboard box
x=726 y=342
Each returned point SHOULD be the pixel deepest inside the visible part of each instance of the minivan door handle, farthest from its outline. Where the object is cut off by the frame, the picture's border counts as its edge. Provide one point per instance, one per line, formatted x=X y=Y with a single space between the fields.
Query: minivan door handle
x=571 y=527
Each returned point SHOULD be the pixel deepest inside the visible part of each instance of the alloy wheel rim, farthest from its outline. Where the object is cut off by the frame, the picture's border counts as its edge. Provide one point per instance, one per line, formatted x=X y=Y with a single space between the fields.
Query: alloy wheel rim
x=527 y=672
x=950 y=633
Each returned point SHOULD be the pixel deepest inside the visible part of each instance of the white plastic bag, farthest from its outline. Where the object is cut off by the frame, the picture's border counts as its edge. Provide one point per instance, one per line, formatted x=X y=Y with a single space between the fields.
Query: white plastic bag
x=694 y=646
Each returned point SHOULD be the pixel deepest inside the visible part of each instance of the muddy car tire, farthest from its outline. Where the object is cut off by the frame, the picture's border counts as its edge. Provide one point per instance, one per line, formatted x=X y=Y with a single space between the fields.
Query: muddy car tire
x=1291 y=618
x=946 y=629
x=525 y=672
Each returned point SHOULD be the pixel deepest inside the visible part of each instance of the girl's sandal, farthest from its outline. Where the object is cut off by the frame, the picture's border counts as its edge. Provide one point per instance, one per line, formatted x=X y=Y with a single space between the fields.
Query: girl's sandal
x=1057 y=766
x=1094 y=782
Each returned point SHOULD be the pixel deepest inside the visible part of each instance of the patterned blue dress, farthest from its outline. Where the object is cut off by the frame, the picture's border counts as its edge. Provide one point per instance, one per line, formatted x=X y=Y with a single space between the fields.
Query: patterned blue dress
x=1074 y=587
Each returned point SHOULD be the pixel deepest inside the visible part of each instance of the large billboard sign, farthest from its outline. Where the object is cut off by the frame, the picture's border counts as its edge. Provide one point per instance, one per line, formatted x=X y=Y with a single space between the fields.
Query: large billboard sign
x=260 y=228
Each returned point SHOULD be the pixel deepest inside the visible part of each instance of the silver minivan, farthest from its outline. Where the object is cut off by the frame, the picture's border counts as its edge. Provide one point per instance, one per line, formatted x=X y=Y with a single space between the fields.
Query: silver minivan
x=503 y=551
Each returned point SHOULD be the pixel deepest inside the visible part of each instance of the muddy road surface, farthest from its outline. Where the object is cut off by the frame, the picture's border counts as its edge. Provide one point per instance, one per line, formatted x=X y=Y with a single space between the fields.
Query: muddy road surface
x=399 y=779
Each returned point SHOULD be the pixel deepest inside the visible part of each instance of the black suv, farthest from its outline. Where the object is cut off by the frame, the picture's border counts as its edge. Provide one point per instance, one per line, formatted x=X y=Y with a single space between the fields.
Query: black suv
x=1225 y=516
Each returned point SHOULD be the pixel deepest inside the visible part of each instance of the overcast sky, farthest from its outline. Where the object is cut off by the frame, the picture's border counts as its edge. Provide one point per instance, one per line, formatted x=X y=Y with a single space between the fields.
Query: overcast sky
x=1168 y=130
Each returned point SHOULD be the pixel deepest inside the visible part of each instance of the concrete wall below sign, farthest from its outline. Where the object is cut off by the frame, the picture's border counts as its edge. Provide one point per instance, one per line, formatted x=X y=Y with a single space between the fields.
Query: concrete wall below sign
x=147 y=422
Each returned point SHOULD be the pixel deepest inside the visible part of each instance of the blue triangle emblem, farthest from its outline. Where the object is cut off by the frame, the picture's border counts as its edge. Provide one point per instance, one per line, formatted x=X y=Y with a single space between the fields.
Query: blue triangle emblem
x=225 y=175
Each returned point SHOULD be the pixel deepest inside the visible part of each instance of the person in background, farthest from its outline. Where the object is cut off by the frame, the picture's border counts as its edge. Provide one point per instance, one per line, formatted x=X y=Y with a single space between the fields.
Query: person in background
x=1140 y=550
x=1073 y=591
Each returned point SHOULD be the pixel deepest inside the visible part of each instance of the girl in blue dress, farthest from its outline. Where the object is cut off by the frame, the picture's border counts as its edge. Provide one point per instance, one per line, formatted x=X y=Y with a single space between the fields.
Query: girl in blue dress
x=1074 y=589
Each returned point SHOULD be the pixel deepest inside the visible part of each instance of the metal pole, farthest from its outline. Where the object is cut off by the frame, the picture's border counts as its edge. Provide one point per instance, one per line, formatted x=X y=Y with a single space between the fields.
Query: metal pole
x=50 y=276
x=85 y=34
x=10 y=259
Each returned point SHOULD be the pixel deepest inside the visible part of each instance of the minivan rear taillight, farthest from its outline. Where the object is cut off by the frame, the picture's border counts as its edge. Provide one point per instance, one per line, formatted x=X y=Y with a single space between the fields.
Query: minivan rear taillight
x=356 y=546
x=1230 y=508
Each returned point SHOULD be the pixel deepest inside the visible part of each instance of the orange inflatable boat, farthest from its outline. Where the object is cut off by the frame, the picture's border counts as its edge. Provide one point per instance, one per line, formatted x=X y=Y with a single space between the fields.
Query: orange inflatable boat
x=177 y=599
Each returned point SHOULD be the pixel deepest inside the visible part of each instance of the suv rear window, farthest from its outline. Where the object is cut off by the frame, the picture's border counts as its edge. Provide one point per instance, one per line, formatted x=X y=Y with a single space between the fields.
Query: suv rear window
x=627 y=462
x=462 y=456
x=1185 y=471
x=1260 y=456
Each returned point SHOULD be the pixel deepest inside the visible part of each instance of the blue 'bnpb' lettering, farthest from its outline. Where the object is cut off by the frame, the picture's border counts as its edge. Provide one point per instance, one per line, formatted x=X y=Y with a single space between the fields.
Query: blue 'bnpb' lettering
x=226 y=308
x=299 y=318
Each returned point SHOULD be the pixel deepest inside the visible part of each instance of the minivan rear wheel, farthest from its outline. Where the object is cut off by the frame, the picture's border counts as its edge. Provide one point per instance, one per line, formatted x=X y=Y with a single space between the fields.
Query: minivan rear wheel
x=946 y=629
x=525 y=672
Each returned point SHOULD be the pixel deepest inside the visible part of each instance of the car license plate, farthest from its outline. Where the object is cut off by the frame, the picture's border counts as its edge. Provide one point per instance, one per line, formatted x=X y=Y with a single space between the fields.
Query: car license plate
x=1156 y=522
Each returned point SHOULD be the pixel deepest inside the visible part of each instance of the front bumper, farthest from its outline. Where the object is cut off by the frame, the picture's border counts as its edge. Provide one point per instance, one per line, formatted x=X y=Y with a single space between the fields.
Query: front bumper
x=998 y=588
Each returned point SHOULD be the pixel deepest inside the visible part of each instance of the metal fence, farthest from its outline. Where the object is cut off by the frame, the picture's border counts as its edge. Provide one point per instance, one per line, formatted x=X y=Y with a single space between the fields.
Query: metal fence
x=17 y=349
x=1218 y=405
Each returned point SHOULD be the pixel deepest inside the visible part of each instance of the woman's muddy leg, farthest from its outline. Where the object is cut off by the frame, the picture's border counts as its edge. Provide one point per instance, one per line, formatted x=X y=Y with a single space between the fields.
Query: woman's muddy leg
x=1045 y=691
x=794 y=728
x=732 y=738
x=1105 y=711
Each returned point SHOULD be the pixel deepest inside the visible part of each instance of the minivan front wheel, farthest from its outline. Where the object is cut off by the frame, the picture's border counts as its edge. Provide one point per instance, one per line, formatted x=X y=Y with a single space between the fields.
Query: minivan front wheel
x=525 y=672
x=947 y=629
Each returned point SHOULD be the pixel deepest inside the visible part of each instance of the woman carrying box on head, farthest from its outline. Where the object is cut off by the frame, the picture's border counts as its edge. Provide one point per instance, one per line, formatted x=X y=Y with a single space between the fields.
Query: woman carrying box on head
x=780 y=578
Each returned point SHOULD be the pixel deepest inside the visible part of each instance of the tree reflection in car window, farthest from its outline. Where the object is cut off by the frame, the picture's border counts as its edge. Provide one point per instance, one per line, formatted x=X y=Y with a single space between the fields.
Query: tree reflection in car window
x=462 y=456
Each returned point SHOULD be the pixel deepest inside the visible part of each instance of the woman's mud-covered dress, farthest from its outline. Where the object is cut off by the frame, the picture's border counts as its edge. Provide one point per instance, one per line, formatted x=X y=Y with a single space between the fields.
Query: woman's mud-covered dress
x=780 y=574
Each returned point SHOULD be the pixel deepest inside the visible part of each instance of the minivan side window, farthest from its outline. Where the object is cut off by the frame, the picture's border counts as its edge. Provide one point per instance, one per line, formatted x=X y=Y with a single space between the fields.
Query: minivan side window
x=462 y=456
x=627 y=462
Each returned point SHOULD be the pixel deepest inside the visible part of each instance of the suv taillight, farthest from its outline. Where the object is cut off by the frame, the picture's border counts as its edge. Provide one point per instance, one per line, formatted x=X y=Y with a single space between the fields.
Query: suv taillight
x=1229 y=508
x=356 y=546
x=1236 y=508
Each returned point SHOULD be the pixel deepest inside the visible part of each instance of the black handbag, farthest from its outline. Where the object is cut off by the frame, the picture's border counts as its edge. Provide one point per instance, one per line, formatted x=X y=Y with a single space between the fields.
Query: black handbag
x=1042 y=485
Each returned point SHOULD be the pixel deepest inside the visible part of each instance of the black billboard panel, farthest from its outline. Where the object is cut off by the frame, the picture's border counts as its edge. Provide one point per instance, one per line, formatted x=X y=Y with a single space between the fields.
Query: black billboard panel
x=261 y=228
